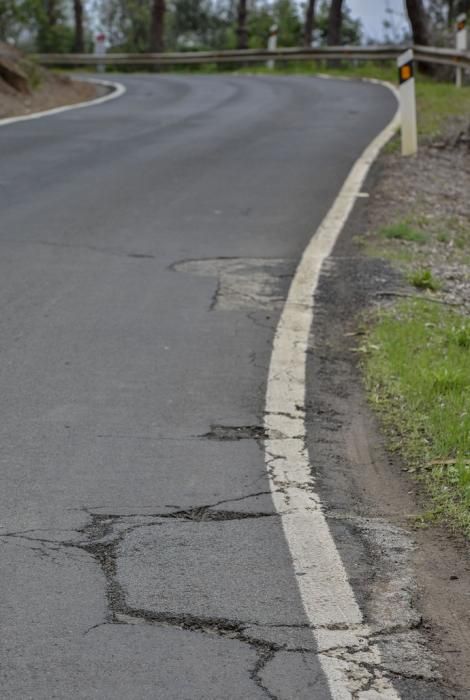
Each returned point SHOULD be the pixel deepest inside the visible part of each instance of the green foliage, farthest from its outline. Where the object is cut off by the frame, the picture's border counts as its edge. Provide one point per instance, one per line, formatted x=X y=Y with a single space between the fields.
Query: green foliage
x=351 y=29
x=46 y=23
x=32 y=71
x=424 y=279
x=56 y=39
x=460 y=335
x=404 y=232
x=194 y=24
x=290 y=26
x=127 y=24
x=437 y=102
x=260 y=21
x=12 y=19
x=418 y=375
x=284 y=14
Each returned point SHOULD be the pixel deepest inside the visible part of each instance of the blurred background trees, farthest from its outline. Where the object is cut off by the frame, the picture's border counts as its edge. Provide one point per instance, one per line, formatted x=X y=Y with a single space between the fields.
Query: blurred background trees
x=179 y=25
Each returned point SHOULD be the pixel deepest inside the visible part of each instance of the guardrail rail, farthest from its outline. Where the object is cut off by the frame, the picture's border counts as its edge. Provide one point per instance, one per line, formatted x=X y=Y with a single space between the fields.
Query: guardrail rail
x=425 y=54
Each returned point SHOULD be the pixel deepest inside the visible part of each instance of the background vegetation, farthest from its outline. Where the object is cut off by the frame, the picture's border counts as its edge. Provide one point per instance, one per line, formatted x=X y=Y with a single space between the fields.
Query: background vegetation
x=142 y=25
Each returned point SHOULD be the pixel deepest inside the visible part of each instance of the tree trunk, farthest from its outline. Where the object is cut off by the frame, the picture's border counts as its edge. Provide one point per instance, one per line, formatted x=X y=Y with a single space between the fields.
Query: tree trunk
x=419 y=25
x=420 y=29
x=335 y=21
x=78 y=43
x=242 y=33
x=157 y=28
x=309 y=23
x=450 y=13
x=52 y=13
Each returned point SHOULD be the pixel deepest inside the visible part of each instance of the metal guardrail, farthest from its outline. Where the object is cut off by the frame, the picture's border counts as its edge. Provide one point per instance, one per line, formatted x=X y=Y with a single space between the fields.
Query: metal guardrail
x=445 y=57
x=426 y=54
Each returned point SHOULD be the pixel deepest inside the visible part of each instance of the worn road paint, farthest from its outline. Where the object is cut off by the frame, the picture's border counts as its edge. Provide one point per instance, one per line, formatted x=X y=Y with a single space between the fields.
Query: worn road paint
x=118 y=91
x=351 y=665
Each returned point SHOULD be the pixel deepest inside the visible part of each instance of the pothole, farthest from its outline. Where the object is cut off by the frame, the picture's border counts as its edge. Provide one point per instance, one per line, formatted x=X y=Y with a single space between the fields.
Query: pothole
x=236 y=432
x=205 y=514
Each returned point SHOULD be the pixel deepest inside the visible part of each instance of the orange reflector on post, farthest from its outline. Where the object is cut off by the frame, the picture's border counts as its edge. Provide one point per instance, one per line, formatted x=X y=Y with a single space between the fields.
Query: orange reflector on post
x=406 y=72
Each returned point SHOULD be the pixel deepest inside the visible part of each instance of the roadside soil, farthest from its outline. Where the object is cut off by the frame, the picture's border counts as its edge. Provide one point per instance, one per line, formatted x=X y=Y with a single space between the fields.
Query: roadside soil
x=412 y=582
x=429 y=192
x=36 y=89
x=54 y=91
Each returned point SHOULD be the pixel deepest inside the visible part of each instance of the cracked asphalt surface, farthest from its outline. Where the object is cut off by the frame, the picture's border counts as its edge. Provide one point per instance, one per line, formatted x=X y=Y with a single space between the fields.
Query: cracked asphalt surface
x=147 y=245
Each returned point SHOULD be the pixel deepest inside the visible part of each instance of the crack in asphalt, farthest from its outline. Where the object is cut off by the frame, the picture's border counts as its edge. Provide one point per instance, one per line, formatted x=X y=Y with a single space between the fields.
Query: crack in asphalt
x=90 y=248
x=222 y=433
x=101 y=541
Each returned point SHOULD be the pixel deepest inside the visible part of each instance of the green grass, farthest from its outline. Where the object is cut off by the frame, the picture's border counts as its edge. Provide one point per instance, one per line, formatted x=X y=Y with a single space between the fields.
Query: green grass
x=406 y=243
x=437 y=103
x=366 y=69
x=32 y=71
x=418 y=376
x=396 y=255
x=403 y=232
x=424 y=279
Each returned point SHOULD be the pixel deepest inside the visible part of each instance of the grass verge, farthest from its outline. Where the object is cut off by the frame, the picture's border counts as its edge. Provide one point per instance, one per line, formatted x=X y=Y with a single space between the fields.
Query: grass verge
x=417 y=369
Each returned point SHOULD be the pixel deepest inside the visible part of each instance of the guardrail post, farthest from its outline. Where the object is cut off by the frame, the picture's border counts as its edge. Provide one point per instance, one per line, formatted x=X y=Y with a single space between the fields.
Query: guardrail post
x=461 y=42
x=100 y=50
x=409 y=129
x=272 y=45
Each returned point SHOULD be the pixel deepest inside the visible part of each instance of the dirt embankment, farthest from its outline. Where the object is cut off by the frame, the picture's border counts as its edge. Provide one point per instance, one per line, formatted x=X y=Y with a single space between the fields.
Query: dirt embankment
x=25 y=87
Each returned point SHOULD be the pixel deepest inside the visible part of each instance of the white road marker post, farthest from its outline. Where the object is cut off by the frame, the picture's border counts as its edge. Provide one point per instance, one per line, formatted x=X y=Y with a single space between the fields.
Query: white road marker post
x=100 y=50
x=409 y=128
x=272 y=45
x=461 y=43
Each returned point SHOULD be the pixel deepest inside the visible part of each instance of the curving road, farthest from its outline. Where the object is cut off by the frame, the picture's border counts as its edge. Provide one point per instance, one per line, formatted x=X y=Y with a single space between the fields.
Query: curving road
x=146 y=248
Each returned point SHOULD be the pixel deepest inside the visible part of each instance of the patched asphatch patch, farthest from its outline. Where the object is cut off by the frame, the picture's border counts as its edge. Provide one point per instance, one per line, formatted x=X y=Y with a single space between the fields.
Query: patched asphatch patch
x=244 y=283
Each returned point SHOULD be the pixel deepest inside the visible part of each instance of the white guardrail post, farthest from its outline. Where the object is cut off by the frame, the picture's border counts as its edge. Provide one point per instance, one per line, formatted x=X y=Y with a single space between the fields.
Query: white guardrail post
x=461 y=42
x=409 y=128
x=272 y=45
x=100 y=50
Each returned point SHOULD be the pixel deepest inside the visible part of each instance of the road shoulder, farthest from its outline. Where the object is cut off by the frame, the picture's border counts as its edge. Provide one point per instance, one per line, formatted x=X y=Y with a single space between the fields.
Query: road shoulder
x=400 y=574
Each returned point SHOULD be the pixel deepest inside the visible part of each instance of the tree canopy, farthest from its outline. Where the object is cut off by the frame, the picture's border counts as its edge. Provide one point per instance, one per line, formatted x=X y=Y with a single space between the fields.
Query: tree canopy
x=142 y=25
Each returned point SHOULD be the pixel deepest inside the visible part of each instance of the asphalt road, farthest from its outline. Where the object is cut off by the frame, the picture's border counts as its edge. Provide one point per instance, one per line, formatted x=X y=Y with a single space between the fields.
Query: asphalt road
x=146 y=248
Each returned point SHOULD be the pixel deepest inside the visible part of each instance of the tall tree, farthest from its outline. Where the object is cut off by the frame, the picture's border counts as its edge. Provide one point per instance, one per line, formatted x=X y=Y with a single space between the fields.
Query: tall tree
x=242 y=32
x=335 y=21
x=12 y=19
x=52 y=12
x=418 y=21
x=78 y=42
x=157 y=27
x=419 y=29
x=309 y=22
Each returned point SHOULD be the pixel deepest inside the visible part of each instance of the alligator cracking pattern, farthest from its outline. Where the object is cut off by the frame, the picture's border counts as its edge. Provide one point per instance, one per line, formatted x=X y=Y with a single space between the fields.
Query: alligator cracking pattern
x=101 y=538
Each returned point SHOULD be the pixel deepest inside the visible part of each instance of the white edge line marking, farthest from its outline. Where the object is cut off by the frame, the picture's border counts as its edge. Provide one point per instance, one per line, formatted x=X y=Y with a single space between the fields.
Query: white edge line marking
x=118 y=89
x=326 y=593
